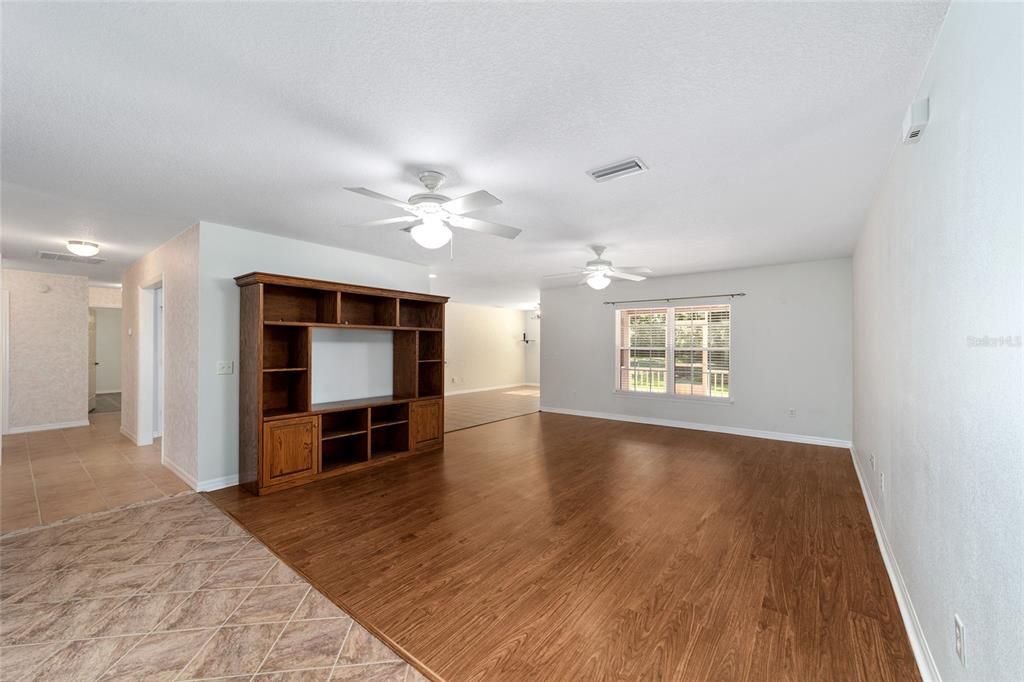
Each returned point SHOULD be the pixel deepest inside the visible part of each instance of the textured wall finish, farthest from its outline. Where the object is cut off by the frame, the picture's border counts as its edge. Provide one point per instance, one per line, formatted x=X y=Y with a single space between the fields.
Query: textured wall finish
x=104 y=297
x=176 y=263
x=49 y=349
x=939 y=267
x=483 y=347
x=790 y=349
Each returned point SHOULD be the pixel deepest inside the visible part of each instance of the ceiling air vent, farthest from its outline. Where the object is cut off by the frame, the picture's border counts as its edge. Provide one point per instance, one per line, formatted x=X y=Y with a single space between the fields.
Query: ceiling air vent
x=70 y=258
x=619 y=169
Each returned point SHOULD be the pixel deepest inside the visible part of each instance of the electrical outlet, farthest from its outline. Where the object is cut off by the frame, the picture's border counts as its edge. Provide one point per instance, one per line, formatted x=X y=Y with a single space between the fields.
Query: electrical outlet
x=959 y=642
x=226 y=367
x=881 y=482
x=791 y=412
x=871 y=458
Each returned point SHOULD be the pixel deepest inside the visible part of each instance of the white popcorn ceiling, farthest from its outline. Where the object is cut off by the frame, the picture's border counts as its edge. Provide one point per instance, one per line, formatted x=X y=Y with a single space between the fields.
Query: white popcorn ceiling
x=767 y=127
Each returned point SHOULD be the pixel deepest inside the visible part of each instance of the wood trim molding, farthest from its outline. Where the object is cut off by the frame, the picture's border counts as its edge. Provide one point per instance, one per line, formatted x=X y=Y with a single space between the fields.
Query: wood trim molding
x=288 y=280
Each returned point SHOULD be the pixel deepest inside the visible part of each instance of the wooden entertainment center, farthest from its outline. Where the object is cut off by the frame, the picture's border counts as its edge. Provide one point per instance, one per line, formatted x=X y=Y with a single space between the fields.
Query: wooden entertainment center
x=284 y=438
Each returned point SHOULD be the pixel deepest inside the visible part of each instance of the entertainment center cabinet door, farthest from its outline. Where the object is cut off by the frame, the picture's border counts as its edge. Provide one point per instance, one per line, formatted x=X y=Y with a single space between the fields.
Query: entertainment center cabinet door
x=427 y=421
x=290 y=450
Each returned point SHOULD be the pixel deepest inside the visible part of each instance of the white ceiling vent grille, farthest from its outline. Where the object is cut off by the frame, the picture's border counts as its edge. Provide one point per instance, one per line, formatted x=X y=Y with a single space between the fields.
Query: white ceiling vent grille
x=70 y=258
x=619 y=169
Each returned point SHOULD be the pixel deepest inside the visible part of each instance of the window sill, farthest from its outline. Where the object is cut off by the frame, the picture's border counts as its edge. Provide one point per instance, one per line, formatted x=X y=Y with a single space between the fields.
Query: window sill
x=676 y=398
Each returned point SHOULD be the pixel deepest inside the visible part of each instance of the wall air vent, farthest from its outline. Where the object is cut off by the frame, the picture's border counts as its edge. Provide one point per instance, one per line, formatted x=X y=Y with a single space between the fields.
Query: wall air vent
x=915 y=121
x=619 y=169
x=70 y=258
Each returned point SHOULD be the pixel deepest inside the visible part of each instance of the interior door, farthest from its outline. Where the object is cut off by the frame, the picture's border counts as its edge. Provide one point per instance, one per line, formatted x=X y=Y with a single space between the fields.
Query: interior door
x=158 y=362
x=92 y=359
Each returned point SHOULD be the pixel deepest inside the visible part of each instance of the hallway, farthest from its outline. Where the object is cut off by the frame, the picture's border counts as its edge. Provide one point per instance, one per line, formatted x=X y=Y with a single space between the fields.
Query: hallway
x=52 y=475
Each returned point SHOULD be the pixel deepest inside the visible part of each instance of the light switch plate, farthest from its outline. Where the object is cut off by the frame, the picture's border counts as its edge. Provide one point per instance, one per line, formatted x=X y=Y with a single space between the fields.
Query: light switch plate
x=226 y=367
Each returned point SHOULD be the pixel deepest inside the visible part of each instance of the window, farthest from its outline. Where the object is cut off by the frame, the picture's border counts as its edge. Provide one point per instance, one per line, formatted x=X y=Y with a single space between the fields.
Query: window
x=681 y=351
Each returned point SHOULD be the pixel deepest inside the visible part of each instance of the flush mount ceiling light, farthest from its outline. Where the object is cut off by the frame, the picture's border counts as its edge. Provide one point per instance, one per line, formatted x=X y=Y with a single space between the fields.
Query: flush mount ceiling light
x=433 y=214
x=82 y=248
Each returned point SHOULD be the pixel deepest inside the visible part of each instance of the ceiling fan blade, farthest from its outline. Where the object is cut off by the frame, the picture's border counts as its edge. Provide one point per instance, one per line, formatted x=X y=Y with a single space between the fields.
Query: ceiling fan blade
x=387 y=221
x=625 y=275
x=377 y=195
x=562 y=274
x=408 y=228
x=637 y=270
x=486 y=226
x=471 y=202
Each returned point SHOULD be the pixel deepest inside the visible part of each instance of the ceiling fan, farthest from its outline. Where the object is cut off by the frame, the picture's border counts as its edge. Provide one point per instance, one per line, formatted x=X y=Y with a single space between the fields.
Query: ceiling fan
x=433 y=214
x=598 y=272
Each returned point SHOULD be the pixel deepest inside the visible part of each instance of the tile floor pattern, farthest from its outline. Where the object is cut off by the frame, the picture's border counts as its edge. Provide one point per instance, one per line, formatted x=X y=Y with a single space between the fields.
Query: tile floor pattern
x=59 y=474
x=171 y=590
x=482 y=407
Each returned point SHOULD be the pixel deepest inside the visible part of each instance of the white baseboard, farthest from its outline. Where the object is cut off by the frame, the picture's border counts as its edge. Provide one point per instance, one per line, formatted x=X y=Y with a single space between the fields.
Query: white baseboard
x=129 y=435
x=736 y=431
x=217 y=483
x=179 y=472
x=922 y=654
x=486 y=388
x=46 y=427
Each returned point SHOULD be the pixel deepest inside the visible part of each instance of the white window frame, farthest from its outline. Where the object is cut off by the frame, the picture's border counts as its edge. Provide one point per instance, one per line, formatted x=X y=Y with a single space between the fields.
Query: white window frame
x=670 y=339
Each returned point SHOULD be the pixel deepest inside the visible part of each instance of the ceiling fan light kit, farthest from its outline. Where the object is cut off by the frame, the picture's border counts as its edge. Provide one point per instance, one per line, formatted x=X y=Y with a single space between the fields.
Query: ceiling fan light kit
x=433 y=214
x=599 y=272
x=432 y=233
x=598 y=281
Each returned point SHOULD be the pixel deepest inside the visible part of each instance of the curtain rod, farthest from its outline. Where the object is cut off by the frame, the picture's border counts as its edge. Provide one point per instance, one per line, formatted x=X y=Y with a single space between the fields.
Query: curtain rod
x=675 y=298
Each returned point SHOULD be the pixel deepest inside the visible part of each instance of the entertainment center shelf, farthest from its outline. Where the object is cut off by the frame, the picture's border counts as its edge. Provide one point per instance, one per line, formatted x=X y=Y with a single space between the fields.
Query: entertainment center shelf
x=285 y=439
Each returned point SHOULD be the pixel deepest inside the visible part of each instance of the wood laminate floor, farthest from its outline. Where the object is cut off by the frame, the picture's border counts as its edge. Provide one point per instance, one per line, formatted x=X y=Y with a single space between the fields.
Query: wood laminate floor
x=553 y=547
x=465 y=410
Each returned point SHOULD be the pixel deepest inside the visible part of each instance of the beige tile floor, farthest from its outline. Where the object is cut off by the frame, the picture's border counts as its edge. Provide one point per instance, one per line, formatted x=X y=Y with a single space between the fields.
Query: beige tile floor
x=59 y=474
x=170 y=590
x=482 y=407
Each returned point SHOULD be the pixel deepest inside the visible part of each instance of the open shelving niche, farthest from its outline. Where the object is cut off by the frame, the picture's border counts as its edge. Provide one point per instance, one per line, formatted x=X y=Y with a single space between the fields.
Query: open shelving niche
x=351 y=432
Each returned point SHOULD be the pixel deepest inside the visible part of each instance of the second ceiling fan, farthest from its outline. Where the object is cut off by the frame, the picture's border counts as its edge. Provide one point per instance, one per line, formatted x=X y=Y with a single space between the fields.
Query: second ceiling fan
x=432 y=215
x=598 y=273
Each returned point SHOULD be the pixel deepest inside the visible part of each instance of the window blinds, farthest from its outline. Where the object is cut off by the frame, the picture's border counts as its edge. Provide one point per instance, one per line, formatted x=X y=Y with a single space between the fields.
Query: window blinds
x=682 y=350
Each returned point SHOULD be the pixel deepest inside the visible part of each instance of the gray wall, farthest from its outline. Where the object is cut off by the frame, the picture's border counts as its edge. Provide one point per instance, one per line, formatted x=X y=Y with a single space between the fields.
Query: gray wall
x=941 y=261
x=791 y=339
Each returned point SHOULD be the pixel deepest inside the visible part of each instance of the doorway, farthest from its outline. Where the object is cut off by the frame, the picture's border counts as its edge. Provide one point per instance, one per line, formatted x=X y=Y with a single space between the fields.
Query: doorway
x=104 y=360
x=150 y=415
